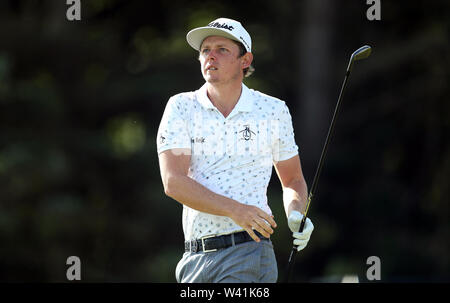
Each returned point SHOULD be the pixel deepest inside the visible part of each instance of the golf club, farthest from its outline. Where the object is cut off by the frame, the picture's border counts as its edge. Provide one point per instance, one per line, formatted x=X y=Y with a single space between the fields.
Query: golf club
x=361 y=53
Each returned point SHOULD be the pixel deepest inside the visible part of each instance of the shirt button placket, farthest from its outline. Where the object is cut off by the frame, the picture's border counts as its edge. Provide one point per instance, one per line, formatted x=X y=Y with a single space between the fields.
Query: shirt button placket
x=228 y=139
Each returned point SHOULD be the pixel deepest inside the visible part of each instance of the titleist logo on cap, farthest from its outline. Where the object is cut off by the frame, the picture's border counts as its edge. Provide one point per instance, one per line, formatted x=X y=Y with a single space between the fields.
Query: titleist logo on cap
x=243 y=41
x=221 y=25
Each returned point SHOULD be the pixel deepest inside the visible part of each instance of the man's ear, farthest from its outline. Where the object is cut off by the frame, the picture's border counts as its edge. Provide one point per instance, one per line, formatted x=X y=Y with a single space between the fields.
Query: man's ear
x=247 y=59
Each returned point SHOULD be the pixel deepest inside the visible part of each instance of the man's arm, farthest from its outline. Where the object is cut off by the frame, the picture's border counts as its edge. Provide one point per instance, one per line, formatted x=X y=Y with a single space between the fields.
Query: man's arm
x=295 y=195
x=174 y=166
x=295 y=191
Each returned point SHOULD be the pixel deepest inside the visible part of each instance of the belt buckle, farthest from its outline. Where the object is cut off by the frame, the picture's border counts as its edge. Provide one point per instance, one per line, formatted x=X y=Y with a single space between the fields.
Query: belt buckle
x=203 y=244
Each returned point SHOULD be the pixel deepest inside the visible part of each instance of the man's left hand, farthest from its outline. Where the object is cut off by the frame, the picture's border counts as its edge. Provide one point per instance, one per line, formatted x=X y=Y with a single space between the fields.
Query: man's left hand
x=300 y=238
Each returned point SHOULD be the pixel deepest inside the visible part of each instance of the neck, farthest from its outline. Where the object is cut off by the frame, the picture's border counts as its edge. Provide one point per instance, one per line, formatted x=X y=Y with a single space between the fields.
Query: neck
x=224 y=97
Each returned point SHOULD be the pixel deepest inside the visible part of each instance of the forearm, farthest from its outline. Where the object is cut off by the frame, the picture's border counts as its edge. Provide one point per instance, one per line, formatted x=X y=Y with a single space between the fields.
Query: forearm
x=177 y=185
x=295 y=196
x=194 y=195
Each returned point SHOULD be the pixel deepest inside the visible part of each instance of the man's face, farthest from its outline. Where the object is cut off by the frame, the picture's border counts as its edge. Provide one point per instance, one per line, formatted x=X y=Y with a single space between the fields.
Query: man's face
x=220 y=61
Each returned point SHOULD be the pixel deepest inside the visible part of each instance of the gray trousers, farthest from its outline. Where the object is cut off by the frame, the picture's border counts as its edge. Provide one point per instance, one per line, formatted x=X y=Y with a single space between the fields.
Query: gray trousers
x=242 y=263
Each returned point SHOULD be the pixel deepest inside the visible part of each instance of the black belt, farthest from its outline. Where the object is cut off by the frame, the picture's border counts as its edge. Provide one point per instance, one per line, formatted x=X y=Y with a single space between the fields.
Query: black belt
x=213 y=243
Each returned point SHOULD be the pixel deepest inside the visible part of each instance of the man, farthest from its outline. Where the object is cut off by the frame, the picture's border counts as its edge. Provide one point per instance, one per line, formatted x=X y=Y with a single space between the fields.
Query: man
x=216 y=149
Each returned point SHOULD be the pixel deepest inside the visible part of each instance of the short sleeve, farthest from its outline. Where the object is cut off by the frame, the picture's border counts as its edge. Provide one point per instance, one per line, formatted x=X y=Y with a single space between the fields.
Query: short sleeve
x=284 y=146
x=173 y=129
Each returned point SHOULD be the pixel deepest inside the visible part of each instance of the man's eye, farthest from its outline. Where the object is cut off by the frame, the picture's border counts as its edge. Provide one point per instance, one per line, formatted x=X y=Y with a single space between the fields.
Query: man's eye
x=205 y=51
x=223 y=49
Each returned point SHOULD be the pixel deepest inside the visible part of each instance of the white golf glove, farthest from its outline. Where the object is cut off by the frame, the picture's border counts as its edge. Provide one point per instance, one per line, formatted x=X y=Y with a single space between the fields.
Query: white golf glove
x=300 y=239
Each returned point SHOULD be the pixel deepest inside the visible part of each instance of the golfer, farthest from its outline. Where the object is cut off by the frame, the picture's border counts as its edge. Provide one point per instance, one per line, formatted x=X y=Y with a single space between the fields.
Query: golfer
x=217 y=146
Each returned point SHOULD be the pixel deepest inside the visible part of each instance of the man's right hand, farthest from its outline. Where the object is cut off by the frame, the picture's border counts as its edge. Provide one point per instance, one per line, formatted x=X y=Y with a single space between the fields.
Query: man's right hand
x=253 y=218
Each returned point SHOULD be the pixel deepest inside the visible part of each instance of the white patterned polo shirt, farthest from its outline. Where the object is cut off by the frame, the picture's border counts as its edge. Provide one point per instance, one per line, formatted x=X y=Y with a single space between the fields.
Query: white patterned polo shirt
x=230 y=156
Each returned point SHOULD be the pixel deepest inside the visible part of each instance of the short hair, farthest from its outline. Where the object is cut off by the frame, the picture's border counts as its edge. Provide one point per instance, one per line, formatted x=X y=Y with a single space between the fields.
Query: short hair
x=242 y=51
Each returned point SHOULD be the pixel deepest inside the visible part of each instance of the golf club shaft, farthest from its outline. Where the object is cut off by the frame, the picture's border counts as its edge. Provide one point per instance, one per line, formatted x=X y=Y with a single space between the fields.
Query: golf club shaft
x=318 y=171
x=324 y=149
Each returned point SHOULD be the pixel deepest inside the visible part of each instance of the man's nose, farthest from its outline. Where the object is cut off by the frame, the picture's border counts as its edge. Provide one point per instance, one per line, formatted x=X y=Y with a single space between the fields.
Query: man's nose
x=211 y=55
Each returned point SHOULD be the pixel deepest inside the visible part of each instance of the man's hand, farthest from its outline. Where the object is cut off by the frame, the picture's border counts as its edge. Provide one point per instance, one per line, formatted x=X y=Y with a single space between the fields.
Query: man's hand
x=253 y=218
x=300 y=238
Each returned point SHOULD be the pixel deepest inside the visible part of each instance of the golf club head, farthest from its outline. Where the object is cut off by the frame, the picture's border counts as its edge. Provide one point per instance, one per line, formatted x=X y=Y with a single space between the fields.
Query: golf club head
x=361 y=53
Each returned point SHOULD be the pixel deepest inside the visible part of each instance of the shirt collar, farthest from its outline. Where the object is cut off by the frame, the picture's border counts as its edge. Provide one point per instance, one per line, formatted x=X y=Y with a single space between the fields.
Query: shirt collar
x=244 y=104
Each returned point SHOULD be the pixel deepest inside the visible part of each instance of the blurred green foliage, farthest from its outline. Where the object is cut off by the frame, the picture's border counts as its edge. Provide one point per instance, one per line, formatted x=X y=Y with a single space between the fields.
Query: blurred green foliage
x=80 y=103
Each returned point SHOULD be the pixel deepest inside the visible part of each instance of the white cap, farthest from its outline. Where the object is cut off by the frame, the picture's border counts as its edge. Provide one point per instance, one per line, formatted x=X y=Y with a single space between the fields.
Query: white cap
x=223 y=27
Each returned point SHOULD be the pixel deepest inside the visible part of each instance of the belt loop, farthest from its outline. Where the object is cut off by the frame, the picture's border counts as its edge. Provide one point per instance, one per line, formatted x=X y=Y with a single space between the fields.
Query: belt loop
x=232 y=240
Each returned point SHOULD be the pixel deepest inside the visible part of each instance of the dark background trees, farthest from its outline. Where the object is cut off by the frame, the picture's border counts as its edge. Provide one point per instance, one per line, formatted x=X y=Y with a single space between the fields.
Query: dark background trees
x=80 y=103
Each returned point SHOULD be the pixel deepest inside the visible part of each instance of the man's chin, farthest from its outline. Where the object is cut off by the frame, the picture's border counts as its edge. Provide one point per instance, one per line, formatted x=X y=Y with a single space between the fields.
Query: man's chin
x=211 y=79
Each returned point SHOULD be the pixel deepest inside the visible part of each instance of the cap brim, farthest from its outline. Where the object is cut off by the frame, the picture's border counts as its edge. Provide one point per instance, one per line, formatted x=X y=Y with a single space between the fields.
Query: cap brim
x=196 y=36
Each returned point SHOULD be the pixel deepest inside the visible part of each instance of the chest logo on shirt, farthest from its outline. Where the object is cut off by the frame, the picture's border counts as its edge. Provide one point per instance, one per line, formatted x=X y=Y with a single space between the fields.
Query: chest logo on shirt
x=247 y=133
